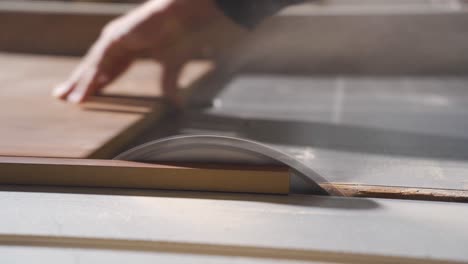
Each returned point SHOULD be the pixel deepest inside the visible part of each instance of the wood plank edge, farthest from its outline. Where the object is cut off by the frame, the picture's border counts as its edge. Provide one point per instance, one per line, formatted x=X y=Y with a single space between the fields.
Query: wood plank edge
x=135 y=175
x=402 y=193
x=115 y=145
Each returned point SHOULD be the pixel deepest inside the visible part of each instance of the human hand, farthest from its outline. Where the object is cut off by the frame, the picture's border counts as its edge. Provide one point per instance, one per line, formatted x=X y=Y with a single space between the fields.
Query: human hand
x=158 y=28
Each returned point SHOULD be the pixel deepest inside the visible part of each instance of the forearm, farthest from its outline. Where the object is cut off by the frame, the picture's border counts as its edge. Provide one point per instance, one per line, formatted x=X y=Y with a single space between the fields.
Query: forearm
x=249 y=12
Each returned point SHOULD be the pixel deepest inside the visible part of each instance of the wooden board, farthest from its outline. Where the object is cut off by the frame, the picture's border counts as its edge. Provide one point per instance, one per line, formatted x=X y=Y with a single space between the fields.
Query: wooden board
x=125 y=174
x=35 y=124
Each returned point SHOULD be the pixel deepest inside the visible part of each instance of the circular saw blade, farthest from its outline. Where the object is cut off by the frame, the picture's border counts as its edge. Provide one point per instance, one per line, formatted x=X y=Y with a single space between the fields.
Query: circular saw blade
x=226 y=150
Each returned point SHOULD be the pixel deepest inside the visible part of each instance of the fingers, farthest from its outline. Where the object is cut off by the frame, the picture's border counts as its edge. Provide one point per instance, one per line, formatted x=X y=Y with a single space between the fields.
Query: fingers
x=64 y=89
x=87 y=85
x=103 y=64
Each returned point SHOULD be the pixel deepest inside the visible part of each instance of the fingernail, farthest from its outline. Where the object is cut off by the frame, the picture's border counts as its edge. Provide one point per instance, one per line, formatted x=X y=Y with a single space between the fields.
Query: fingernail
x=74 y=98
x=58 y=91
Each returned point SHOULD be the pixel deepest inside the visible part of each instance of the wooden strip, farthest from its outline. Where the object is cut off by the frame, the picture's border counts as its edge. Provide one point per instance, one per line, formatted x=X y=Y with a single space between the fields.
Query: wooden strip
x=125 y=174
x=405 y=193
x=208 y=249
x=193 y=177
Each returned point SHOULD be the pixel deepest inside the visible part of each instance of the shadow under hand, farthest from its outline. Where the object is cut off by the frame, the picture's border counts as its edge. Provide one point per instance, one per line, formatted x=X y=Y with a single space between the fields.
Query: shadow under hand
x=122 y=104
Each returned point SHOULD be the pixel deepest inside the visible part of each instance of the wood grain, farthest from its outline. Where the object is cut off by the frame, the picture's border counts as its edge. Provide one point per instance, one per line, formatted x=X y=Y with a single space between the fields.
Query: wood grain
x=35 y=124
x=125 y=174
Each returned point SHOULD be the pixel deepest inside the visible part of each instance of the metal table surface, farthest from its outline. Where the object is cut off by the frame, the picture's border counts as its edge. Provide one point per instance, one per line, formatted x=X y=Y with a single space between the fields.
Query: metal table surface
x=86 y=225
x=388 y=130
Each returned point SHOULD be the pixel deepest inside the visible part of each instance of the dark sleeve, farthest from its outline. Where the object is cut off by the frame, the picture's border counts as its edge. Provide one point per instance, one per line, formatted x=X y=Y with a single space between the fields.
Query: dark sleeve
x=249 y=12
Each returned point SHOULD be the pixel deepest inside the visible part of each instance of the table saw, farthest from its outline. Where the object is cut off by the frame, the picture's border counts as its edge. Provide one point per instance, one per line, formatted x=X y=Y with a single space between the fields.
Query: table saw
x=332 y=154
